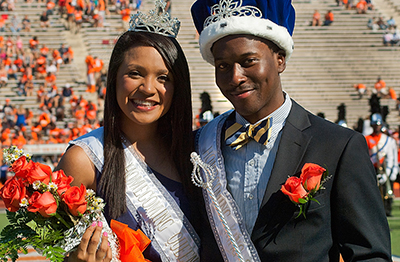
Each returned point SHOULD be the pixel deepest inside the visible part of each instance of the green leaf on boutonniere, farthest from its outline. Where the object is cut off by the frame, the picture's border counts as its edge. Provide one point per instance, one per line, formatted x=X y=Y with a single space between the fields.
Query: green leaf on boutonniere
x=302 y=201
x=313 y=199
x=302 y=211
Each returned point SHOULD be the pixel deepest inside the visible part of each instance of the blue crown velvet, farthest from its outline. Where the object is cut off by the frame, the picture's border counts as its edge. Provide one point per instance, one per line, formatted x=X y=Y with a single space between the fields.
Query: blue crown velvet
x=281 y=12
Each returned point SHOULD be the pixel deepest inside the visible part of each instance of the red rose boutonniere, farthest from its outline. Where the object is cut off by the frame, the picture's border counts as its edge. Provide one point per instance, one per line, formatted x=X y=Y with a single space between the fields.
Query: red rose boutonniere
x=302 y=189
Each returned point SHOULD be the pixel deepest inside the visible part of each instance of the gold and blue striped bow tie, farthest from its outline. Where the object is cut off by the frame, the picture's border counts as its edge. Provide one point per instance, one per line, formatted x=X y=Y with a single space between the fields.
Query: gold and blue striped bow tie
x=237 y=135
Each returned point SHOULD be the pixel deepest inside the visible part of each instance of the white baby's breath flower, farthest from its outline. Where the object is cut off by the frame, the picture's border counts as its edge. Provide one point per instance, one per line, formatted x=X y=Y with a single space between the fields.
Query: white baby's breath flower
x=89 y=192
x=36 y=185
x=24 y=202
x=99 y=200
x=52 y=186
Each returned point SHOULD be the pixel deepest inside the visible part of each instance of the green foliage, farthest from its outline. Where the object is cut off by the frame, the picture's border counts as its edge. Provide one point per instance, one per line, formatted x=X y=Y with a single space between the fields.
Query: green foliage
x=30 y=229
x=54 y=253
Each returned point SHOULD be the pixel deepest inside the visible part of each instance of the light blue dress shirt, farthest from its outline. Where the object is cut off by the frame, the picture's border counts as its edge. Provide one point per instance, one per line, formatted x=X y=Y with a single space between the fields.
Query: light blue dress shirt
x=248 y=169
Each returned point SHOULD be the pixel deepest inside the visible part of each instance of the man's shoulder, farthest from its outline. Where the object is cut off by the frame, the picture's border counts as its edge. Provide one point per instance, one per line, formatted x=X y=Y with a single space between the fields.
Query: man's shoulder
x=331 y=127
x=216 y=121
x=318 y=124
x=212 y=128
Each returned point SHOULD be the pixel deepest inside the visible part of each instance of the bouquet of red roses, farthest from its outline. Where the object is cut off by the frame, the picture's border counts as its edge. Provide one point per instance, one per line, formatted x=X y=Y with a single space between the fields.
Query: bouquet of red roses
x=44 y=210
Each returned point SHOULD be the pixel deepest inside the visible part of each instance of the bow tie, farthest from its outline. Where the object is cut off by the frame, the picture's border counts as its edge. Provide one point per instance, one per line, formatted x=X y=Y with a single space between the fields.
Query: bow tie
x=237 y=135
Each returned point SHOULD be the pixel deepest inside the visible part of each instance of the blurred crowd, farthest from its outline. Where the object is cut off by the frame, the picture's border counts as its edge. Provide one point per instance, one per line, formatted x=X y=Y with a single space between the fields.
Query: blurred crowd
x=31 y=69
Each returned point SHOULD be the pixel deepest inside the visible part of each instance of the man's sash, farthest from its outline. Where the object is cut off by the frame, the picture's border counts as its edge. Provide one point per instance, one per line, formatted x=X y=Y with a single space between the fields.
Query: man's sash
x=157 y=213
x=208 y=145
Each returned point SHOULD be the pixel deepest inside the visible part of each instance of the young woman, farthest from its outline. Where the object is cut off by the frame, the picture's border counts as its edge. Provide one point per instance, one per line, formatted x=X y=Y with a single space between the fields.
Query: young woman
x=139 y=162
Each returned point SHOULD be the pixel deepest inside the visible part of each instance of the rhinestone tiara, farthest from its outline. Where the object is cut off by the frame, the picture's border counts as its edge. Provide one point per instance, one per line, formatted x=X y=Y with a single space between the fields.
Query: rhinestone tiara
x=228 y=8
x=156 y=21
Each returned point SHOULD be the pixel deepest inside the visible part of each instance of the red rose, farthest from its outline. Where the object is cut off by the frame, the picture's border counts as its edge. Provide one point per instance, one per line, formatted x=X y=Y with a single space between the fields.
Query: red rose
x=74 y=198
x=22 y=168
x=12 y=192
x=62 y=181
x=294 y=189
x=19 y=164
x=311 y=176
x=44 y=203
x=38 y=172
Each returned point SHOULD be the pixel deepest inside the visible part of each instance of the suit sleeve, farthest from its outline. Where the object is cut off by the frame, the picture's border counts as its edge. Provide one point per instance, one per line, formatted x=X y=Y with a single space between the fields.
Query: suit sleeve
x=359 y=223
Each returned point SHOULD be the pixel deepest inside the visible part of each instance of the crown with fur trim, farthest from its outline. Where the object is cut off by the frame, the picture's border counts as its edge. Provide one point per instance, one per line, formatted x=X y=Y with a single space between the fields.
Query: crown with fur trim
x=156 y=21
x=270 y=19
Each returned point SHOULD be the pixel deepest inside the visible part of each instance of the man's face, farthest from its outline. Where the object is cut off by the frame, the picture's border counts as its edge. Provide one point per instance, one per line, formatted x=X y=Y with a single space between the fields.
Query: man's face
x=247 y=73
x=376 y=129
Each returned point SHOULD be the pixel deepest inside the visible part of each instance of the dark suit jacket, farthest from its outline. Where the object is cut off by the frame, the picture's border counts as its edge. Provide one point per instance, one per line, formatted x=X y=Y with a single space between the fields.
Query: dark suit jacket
x=350 y=218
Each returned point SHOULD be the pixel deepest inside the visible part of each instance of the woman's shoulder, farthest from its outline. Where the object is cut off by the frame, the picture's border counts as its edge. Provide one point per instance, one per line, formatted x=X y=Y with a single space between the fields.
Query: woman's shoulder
x=96 y=134
x=93 y=140
x=76 y=163
x=92 y=145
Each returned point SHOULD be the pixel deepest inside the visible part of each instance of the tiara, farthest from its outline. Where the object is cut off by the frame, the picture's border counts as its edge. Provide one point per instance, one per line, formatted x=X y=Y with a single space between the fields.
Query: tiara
x=156 y=21
x=228 y=8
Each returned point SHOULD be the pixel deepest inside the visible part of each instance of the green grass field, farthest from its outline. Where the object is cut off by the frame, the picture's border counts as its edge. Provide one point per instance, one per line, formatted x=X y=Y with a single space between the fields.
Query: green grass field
x=394 y=223
x=3 y=220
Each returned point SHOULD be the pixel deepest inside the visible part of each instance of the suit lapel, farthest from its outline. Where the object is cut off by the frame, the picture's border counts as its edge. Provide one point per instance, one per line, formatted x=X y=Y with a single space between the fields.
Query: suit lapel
x=292 y=147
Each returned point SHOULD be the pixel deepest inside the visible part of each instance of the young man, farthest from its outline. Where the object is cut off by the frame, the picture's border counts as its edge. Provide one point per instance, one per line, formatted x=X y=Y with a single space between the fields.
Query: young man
x=383 y=153
x=249 y=43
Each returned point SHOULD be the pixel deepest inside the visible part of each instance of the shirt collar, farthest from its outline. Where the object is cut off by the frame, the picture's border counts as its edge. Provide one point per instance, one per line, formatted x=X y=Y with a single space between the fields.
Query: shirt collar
x=278 y=117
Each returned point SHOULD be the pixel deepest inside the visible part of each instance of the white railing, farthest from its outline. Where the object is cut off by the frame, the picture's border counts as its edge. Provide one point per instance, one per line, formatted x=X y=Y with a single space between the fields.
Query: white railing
x=45 y=149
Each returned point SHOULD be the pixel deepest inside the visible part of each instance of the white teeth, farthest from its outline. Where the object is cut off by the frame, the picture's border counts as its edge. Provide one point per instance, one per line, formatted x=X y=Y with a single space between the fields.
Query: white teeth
x=144 y=103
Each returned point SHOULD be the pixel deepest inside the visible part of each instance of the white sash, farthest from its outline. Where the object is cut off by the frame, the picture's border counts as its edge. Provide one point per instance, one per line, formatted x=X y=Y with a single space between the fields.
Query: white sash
x=157 y=213
x=208 y=145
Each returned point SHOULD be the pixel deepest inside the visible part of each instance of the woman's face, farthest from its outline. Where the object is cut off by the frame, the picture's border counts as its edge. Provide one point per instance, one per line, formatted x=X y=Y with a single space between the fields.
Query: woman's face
x=144 y=87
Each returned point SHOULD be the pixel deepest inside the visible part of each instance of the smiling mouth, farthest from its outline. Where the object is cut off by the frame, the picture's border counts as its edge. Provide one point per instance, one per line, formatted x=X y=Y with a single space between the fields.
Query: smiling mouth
x=143 y=103
x=242 y=93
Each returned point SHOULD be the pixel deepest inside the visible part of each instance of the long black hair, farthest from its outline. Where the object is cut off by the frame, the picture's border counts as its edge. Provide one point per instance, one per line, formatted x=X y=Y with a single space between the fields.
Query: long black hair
x=175 y=126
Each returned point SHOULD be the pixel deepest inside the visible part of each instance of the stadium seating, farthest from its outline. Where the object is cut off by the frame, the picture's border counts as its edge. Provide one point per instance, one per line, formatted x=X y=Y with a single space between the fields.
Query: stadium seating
x=320 y=75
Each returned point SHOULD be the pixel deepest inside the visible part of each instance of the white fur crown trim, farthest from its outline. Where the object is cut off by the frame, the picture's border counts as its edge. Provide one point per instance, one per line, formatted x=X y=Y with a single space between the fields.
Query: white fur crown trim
x=235 y=25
